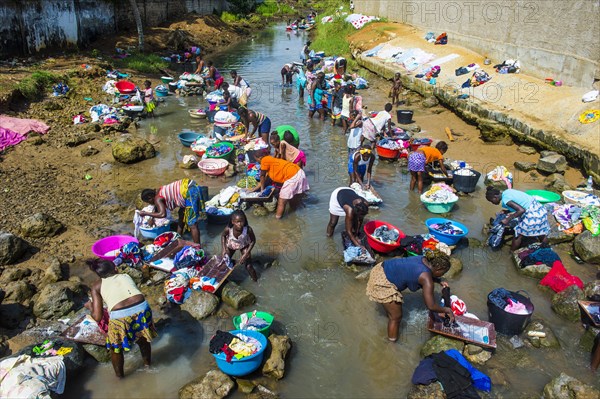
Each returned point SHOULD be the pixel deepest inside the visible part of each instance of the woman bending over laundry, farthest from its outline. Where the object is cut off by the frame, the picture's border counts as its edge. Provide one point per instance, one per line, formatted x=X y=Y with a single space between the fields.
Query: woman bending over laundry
x=422 y=156
x=260 y=121
x=389 y=278
x=531 y=215
x=183 y=194
x=238 y=236
x=130 y=315
x=359 y=164
x=345 y=202
x=285 y=150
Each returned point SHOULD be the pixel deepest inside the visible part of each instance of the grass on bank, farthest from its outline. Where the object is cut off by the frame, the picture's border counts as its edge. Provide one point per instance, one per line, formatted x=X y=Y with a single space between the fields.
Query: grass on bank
x=267 y=9
x=34 y=86
x=144 y=63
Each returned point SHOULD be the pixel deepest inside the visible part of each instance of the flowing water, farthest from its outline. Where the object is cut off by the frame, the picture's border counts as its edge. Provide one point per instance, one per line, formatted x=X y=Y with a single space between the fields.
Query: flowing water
x=339 y=339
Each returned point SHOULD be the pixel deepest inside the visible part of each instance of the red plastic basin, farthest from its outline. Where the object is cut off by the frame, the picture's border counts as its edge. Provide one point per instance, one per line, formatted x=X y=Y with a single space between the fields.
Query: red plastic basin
x=125 y=87
x=387 y=153
x=415 y=146
x=378 y=245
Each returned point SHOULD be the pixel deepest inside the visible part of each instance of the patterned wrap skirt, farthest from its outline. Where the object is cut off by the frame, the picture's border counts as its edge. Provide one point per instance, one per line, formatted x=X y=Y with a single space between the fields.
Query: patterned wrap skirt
x=380 y=289
x=416 y=162
x=126 y=326
x=534 y=222
x=194 y=205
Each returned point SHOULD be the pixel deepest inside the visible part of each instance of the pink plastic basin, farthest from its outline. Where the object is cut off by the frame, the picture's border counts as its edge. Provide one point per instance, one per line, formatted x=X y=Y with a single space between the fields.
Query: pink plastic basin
x=104 y=248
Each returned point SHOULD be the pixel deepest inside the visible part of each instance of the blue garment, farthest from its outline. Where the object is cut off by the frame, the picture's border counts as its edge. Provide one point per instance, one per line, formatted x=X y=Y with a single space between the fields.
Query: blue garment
x=518 y=197
x=480 y=380
x=424 y=374
x=404 y=272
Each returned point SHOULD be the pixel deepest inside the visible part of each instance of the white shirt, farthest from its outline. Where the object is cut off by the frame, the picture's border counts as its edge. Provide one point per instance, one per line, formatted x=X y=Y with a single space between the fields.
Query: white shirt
x=381 y=119
x=354 y=137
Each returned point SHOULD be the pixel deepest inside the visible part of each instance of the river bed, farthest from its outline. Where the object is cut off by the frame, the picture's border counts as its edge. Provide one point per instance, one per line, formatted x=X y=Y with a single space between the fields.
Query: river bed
x=340 y=348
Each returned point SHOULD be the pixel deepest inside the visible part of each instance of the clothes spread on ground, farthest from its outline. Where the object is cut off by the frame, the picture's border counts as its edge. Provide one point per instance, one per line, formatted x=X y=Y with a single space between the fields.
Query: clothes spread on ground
x=546 y=256
x=359 y=20
x=478 y=78
x=447 y=228
x=129 y=254
x=23 y=126
x=591 y=219
x=567 y=216
x=500 y=173
x=386 y=235
x=456 y=380
x=466 y=69
x=8 y=138
x=508 y=66
x=189 y=257
x=559 y=279
x=27 y=377
x=439 y=193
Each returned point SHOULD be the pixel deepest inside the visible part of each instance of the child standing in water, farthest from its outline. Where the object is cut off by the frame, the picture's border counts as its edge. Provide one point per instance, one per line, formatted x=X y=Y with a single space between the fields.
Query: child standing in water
x=396 y=88
x=238 y=236
x=149 y=97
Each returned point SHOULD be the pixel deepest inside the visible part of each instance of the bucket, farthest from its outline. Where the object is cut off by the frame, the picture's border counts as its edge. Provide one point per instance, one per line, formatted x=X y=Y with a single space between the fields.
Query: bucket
x=245 y=365
x=510 y=323
x=404 y=116
x=263 y=315
x=466 y=184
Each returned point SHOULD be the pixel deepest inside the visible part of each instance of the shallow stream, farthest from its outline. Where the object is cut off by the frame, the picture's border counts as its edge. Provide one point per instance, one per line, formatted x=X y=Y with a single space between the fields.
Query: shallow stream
x=339 y=339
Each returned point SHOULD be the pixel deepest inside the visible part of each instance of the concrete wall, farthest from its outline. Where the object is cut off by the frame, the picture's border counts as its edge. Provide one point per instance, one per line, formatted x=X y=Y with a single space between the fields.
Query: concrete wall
x=551 y=38
x=29 y=26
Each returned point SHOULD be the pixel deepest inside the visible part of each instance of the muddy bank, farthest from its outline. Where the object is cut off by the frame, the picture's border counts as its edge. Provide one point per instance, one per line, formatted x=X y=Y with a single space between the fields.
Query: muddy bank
x=509 y=107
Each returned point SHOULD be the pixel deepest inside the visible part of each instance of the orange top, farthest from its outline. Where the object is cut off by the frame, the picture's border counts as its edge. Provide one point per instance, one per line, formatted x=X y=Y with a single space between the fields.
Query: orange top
x=279 y=170
x=431 y=154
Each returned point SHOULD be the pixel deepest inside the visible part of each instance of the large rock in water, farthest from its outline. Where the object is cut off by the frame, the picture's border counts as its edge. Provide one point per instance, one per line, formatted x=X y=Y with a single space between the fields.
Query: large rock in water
x=19 y=291
x=592 y=289
x=556 y=182
x=200 y=304
x=566 y=387
x=214 y=385
x=456 y=267
x=129 y=149
x=11 y=248
x=40 y=225
x=476 y=354
x=275 y=364
x=534 y=271
x=552 y=164
x=439 y=343
x=549 y=341
x=564 y=303
x=74 y=360
x=431 y=391
x=57 y=300
x=99 y=353
x=587 y=247
x=237 y=297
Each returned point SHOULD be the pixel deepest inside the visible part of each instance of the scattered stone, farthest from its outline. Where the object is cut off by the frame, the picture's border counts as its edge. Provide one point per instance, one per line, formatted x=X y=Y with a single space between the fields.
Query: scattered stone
x=271 y=205
x=74 y=360
x=275 y=364
x=592 y=289
x=214 y=385
x=587 y=247
x=564 y=303
x=99 y=353
x=525 y=149
x=52 y=274
x=200 y=304
x=431 y=391
x=258 y=210
x=263 y=393
x=456 y=267
x=430 y=101
x=245 y=386
x=586 y=342
x=566 y=387
x=414 y=128
x=499 y=184
x=556 y=182
x=364 y=275
x=11 y=248
x=497 y=377
x=40 y=225
x=57 y=300
x=136 y=274
x=549 y=341
x=476 y=354
x=89 y=151
x=557 y=236
x=237 y=297
x=547 y=153
x=14 y=275
x=525 y=166
x=19 y=291
x=440 y=343
x=552 y=164
x=129 y=149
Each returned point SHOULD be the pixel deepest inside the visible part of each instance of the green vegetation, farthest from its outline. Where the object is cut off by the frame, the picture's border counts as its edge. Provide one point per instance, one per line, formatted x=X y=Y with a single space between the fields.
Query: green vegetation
x=332 y=37
x=271 y=8
x=145 y=63
x=243 y=13
x=34 y=86
x=228 y=17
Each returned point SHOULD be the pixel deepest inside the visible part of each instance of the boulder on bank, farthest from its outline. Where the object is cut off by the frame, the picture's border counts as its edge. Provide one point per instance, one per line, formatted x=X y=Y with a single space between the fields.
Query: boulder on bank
x=556 y=182
x=586 y=341
x=592 y=289
x=564 y=303
x=549 y=341
x=200 y=304
x=439 y=343
x=99 y=353
x=525 y=166
x=57 y=300
x=566 y=387
x=476 y=354
x=237 y=297
x=552 y=164
x=430 y=102
x=40 y=225
x=525 y=149
x=587 y=247
x=52 y=274
x=431 y=391
x=129 y=149
x=214 y=385
x=275 y=364
x=19 y=291
x=12 y=248
x=13 y=315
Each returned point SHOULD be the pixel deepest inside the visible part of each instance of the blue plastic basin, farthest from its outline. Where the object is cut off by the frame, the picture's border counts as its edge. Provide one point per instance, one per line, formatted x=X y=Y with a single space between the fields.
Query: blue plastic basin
x=188 y=138
x=246 y=365
x=154 y=232
x=446 y=238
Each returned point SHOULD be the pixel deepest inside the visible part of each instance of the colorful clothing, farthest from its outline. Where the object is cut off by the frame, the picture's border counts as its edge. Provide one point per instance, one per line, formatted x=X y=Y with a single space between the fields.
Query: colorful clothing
x=279 y=170
x=520 y=198
x=242 y=241
x=297 y=184
x=416 y=162
x=186 y=194
x=431 y=154
x=117 y=288
x=362 y=165
x=126 y=326
x=369 y=130
x=534 y=222
x=380 y=289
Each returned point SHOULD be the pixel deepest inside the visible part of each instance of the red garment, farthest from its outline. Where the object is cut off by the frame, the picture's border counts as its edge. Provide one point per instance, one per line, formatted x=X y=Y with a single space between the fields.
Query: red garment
x=228 y=353
x=430 y=244
x=559 y=279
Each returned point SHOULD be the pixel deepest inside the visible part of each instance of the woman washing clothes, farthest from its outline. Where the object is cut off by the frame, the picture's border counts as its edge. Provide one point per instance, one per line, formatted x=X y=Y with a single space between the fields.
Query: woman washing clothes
x=239 y=236
x=531 y=215
x=359 y=164
x=315 y=98
x=287 y=72
x=347 y=107
x=285 y=150
x=130 y=315
x=355 y=137
x=200 y=66
x=287 y=174
x=184 y=194
x=213 y=75
x=345 y=202
x=381 y=123
x=422 y=156
x=258 y=120
x=241 y=86
x=389 y=278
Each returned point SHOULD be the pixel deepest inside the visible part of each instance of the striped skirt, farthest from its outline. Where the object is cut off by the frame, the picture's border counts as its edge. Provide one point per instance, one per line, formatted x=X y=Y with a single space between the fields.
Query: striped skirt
x=534 y=222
